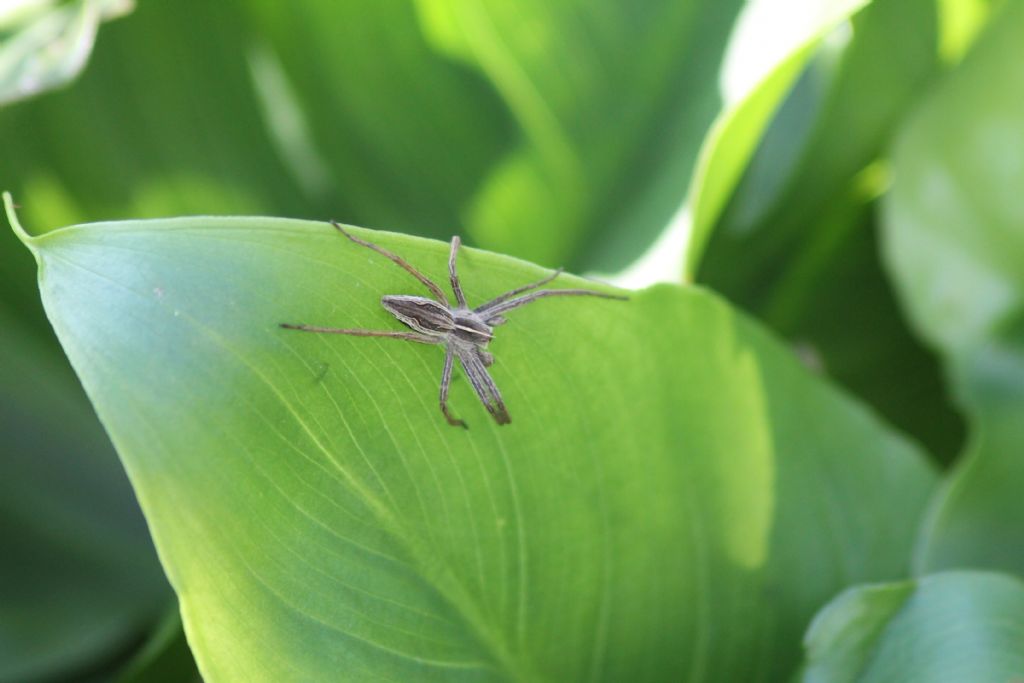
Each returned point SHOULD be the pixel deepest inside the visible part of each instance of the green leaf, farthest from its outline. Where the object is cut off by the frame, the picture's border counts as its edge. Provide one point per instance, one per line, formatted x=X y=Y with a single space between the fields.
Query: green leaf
x=732 y=143
x=668 y=467
x=955 y=247
x=811 y=157
x=611 y=102
x=46 y=44
x=165 y=656
x=167 y=110
x=956 y=626
x=832 y=125
x=79 y=579
x=561 y=132
x=404 y=135
x=960 y=22
x=796 y=243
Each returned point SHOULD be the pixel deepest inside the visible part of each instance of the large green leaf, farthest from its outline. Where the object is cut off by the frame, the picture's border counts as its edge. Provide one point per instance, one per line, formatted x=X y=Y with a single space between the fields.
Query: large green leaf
x=796 y=243
x=951 y=627
x=954 y=241
x=674 y=498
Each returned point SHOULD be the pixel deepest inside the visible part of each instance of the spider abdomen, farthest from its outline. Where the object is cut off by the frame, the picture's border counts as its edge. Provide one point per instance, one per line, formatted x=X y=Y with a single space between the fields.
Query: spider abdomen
x=420 y=313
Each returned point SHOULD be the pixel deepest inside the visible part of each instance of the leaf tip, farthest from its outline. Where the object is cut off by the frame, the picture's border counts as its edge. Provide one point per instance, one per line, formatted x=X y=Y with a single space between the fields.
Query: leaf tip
x=12 y=217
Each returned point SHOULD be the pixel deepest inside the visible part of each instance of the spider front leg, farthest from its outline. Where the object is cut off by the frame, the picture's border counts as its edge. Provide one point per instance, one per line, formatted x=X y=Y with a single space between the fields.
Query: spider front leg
x=399 y=261
x=357 y=332
x=491 y=310
x=446 y=380
x=519 y=290
x=453 y=274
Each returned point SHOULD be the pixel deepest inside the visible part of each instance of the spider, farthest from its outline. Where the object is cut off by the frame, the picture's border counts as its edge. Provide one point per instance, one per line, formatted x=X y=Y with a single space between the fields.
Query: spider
x=465 y=332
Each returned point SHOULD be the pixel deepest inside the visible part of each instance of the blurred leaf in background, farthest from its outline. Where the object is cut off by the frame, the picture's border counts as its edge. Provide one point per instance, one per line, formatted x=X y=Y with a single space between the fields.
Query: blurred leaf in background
x=80 y=585
x=44 y=44
x=796 y=243
x=954 y=244
x=945 y=628
x=563 y=133
x=611 y=102
x=164 y=657
x=79 y=582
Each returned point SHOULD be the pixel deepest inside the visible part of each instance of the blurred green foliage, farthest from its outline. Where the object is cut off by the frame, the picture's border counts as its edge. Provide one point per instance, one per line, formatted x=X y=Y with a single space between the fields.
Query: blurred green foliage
x=78 y=577
x=567 y=134
x=432 y=123
x=944 y=628
x=797 y=243
x=954 y=241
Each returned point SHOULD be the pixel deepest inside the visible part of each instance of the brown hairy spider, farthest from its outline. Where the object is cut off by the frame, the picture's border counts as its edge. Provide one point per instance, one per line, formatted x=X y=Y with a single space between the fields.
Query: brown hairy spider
x=464 y=332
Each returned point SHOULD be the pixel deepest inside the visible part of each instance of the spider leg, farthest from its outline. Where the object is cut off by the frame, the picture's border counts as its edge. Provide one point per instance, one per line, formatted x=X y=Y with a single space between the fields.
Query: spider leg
x=430 y=284
x=408 y=336
x=500 y=308
x=518 y=290
x=446 y=380
x=482 y=383
x=453 y=273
